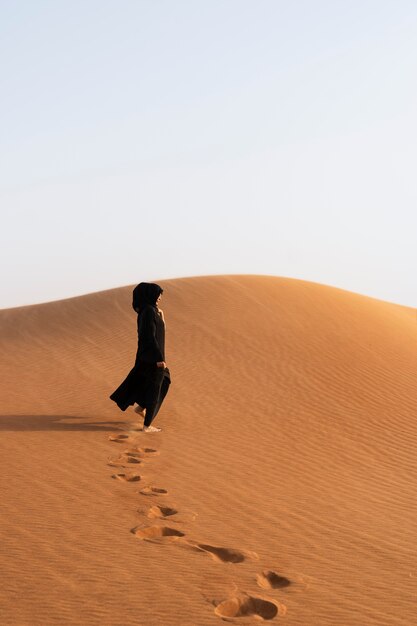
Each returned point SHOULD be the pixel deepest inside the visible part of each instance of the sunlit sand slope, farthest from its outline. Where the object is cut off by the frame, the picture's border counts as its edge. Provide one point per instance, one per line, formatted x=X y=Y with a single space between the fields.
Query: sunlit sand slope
x=282 y=488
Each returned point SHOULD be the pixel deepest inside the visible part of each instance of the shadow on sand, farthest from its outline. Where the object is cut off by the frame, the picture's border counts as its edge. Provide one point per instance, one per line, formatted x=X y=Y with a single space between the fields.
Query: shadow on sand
x=20 y=423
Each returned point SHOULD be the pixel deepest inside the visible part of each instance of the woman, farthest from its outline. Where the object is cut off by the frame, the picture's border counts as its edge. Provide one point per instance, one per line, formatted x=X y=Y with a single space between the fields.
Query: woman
x=148 y=382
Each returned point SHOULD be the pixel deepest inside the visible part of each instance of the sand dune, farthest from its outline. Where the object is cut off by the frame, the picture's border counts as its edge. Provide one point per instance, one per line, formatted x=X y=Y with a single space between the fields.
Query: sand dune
x=282 y=487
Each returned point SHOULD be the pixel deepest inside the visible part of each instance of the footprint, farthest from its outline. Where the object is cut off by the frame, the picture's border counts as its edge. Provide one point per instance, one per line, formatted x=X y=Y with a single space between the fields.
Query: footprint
x=117 y=462
x=271 y=580
x=130 y=478
x=132 y=458
x=156 y=532
x=225 y=555
x=121 y=460
x=153 y=491
x=143 y=451
x=247 y=606
x=119 y=438
x=161 y=511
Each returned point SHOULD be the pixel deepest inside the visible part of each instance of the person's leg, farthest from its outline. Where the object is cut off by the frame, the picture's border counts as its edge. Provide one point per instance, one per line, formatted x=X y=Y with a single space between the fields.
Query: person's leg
x=161 y=389
x=152 y=397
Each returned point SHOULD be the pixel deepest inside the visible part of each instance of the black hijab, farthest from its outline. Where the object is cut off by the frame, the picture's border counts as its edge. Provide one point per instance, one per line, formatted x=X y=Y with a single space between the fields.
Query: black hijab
x=145 y=294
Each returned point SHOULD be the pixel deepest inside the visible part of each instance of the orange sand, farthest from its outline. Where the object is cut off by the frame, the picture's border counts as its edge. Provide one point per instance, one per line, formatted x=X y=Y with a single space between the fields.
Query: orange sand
x=282 y=487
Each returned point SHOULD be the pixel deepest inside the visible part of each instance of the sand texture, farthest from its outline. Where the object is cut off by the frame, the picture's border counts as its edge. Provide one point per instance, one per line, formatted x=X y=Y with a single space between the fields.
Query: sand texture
x=282 y=487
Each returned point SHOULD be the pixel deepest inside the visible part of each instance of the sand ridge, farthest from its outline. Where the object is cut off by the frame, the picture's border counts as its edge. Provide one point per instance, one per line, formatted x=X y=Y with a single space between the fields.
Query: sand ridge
x=288 y=454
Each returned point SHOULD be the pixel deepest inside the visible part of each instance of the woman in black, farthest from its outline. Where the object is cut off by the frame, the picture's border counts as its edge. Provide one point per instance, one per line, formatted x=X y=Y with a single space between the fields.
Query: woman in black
x=148 y=382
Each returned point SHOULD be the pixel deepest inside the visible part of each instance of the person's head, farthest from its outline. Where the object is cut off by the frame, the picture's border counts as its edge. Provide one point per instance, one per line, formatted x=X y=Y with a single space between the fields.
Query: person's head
x=145 y=294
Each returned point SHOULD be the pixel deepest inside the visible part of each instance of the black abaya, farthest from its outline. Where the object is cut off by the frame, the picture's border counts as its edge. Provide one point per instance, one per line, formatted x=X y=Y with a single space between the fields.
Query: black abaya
x=146 y=384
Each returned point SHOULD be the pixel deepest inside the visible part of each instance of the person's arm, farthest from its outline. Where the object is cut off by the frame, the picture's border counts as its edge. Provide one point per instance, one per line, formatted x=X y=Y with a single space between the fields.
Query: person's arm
x=149 y=348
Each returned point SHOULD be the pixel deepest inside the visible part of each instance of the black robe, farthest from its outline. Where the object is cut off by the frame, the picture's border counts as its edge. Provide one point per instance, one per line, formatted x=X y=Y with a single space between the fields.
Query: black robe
x=143 y=383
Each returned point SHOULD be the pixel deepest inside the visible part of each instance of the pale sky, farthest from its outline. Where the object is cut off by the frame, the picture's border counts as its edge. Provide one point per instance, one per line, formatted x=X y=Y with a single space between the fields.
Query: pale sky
x=151 y=139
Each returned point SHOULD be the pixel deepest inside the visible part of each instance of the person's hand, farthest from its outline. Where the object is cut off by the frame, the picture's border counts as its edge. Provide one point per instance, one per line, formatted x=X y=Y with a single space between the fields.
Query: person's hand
x=161 y=364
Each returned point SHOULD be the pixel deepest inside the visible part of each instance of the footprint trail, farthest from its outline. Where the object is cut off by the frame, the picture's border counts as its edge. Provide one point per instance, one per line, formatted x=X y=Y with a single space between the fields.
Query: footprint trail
x=240 y=605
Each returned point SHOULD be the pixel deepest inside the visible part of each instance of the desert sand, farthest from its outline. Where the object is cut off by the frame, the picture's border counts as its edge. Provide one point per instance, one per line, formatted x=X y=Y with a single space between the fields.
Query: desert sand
x=282 y=487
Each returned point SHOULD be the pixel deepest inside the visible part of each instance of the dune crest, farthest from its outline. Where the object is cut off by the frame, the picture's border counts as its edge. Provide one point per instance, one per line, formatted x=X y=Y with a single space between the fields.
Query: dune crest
x=289 y=433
